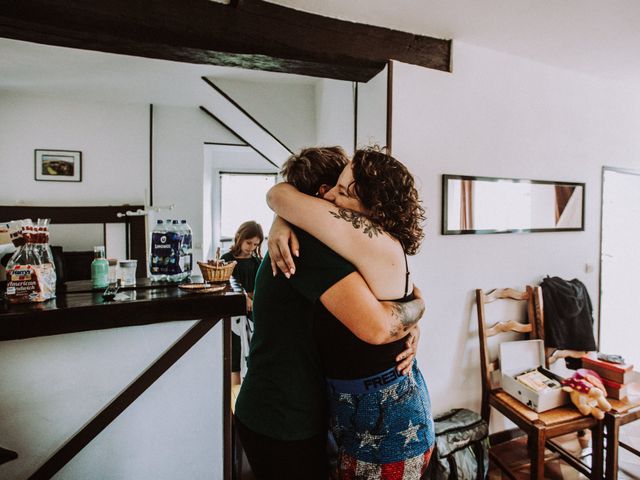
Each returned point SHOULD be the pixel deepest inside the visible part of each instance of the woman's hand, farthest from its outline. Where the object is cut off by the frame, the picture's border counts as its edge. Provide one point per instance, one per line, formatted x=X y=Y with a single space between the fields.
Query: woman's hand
x=249 y=304
x=406 y=358
x=282 y=242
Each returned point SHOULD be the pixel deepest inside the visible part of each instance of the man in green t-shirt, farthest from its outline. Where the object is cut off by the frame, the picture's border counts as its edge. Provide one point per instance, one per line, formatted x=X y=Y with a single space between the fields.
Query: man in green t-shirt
x=280 y=411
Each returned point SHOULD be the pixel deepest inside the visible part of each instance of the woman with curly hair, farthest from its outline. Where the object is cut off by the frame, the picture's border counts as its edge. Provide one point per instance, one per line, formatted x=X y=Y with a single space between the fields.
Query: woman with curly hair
x=381 y=419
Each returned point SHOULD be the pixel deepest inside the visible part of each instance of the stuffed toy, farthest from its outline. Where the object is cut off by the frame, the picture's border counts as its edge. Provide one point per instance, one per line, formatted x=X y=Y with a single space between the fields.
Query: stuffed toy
x=587 y=393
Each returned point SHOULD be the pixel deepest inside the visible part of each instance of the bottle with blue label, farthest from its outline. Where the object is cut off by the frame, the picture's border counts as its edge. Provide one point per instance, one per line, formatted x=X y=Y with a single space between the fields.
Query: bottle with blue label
x=175 y=273
x=173 y=257
x=159 y=252
x=186 y=249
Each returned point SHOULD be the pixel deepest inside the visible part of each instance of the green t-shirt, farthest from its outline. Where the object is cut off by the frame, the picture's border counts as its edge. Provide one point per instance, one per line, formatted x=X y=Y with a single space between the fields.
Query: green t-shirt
x=283 y=393
x=245 y=270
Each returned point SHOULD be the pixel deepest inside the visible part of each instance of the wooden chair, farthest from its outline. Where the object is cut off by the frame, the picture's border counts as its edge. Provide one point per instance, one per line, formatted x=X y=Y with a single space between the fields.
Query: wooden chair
x=622 y=412
x=540 y=428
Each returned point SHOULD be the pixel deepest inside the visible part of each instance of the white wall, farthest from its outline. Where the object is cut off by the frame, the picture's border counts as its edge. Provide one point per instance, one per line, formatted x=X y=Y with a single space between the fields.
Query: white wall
x=51 y=386
x=113 y=139
x=372 y=111
x=500 y=115
x=285 y=109
x=334 y=114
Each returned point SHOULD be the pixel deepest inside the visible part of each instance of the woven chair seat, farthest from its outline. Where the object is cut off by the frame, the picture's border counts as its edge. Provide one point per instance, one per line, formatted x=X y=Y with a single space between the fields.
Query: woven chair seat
x=550 y=417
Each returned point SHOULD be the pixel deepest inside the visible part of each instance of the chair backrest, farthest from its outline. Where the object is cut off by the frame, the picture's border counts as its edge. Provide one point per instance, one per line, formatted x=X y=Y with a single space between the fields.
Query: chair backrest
x=532 y=325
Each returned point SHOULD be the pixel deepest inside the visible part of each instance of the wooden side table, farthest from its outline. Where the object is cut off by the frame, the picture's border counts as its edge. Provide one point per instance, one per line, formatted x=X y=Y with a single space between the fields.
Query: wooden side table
x=622 y=412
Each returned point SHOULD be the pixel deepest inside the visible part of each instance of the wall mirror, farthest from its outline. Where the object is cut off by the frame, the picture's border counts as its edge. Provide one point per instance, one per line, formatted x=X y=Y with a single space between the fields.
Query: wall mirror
x=133 y=117
x=476 y=205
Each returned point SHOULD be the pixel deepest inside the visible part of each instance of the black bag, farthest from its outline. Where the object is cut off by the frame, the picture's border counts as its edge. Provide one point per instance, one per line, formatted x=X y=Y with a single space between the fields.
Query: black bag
x=462 y=447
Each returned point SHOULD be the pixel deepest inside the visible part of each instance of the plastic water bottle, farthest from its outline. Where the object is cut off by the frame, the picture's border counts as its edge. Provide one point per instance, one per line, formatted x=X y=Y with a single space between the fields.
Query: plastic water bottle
x=174 y=235
x=159 y=253
x=187 y=248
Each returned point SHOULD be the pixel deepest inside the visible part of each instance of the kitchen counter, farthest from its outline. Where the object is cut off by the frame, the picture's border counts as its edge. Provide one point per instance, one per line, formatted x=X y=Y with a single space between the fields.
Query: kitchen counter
x=78 y=308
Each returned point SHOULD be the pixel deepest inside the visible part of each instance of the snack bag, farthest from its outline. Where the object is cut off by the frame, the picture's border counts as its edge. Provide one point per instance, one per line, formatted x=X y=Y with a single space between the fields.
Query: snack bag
x=24 y=284
x=31 y=274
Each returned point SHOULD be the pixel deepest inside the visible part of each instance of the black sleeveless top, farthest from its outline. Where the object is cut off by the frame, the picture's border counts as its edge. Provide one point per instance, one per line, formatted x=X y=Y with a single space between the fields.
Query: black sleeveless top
x=344 y=356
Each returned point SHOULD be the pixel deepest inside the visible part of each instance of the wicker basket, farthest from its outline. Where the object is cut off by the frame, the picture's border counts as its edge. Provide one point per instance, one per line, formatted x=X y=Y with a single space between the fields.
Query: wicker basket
x=216 y=273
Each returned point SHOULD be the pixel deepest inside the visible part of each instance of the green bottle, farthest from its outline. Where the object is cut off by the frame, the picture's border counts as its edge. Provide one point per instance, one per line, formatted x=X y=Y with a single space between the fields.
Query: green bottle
x=99 y=269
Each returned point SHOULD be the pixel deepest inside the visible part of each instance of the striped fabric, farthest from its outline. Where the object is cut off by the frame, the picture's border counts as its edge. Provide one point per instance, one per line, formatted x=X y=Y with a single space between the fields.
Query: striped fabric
x=410 y=469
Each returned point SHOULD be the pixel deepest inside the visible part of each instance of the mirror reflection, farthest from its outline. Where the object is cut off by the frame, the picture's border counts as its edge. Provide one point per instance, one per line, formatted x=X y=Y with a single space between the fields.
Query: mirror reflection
x=502 y=205
x=160 y=134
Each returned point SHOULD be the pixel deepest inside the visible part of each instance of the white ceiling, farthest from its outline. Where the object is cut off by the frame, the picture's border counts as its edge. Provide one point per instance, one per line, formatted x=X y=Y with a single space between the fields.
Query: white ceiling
x=597 y=37
x=35 y=69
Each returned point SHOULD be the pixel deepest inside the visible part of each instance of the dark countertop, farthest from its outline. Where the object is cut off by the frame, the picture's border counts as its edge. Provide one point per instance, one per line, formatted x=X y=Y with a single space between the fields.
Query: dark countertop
x=78 y=308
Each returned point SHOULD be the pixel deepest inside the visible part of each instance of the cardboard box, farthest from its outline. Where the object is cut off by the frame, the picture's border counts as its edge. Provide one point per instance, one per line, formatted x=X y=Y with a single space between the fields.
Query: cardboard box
x=611 y=371
x=614 y=389
x=520 y=356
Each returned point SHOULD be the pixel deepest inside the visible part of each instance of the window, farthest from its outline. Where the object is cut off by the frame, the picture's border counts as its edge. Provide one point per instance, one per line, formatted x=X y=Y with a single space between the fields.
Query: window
x=242 y=198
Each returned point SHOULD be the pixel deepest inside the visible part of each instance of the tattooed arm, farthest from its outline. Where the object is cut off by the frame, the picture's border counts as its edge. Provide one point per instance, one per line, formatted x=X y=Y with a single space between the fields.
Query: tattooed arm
x=325 y=221
x=376 y=255
x=351 y=302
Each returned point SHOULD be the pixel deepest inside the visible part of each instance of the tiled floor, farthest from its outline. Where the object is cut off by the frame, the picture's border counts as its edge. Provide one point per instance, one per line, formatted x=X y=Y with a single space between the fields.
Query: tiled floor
x=556 y=469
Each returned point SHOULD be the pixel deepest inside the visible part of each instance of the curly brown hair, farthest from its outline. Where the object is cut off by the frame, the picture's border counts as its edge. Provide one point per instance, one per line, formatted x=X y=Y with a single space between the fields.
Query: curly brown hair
x=386 y=189
x=314 y=167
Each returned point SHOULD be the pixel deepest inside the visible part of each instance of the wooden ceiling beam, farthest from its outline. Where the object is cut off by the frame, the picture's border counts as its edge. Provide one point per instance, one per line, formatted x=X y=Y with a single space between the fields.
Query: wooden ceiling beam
x=248 y=33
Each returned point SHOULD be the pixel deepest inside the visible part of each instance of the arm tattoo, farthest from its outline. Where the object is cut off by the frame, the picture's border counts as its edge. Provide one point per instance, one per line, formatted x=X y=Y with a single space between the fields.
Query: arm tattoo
x=407 y=315
x=358 y=221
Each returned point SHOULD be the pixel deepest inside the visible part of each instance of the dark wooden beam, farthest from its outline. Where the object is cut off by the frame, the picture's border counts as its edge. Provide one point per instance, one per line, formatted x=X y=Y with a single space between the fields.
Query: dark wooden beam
x=249 y=34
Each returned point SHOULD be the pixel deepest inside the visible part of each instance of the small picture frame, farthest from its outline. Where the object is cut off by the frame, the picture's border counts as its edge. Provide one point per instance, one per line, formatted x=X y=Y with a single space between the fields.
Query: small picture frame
x=58 y=165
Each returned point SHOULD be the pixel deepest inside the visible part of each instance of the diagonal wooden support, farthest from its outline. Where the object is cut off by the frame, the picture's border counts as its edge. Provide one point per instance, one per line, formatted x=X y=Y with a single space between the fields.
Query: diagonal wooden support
x=129 y=395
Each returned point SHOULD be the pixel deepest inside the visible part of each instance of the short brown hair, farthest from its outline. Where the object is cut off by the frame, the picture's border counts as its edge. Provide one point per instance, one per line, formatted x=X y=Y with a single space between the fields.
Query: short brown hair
x=386 y=189
x=314 y=167
x=246 y=231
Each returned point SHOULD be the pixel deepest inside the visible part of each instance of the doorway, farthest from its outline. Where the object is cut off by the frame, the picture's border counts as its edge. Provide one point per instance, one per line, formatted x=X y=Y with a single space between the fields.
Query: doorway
x=620 y=264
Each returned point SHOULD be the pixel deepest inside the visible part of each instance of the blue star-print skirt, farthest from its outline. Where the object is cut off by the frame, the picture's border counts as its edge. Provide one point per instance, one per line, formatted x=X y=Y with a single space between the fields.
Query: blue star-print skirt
x=381 y=419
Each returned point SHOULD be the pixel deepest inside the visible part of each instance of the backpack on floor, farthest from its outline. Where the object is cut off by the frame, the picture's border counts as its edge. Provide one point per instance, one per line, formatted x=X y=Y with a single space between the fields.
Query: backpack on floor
x=462 y=447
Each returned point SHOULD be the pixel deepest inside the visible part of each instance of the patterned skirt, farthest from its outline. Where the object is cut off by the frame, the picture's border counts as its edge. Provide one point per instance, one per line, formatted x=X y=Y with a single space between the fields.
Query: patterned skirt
x=382 y=425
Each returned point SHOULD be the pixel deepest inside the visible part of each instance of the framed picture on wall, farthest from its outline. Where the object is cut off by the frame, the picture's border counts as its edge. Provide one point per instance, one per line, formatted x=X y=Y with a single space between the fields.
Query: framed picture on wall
x=58 y=165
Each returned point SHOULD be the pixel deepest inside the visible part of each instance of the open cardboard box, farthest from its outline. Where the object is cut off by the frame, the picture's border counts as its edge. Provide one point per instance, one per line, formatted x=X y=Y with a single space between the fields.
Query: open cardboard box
x=518 y=357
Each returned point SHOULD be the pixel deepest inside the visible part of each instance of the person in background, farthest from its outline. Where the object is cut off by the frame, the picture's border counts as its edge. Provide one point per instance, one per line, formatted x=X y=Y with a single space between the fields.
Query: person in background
x=381 y=421
x=281 y=413
x=246 y=251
